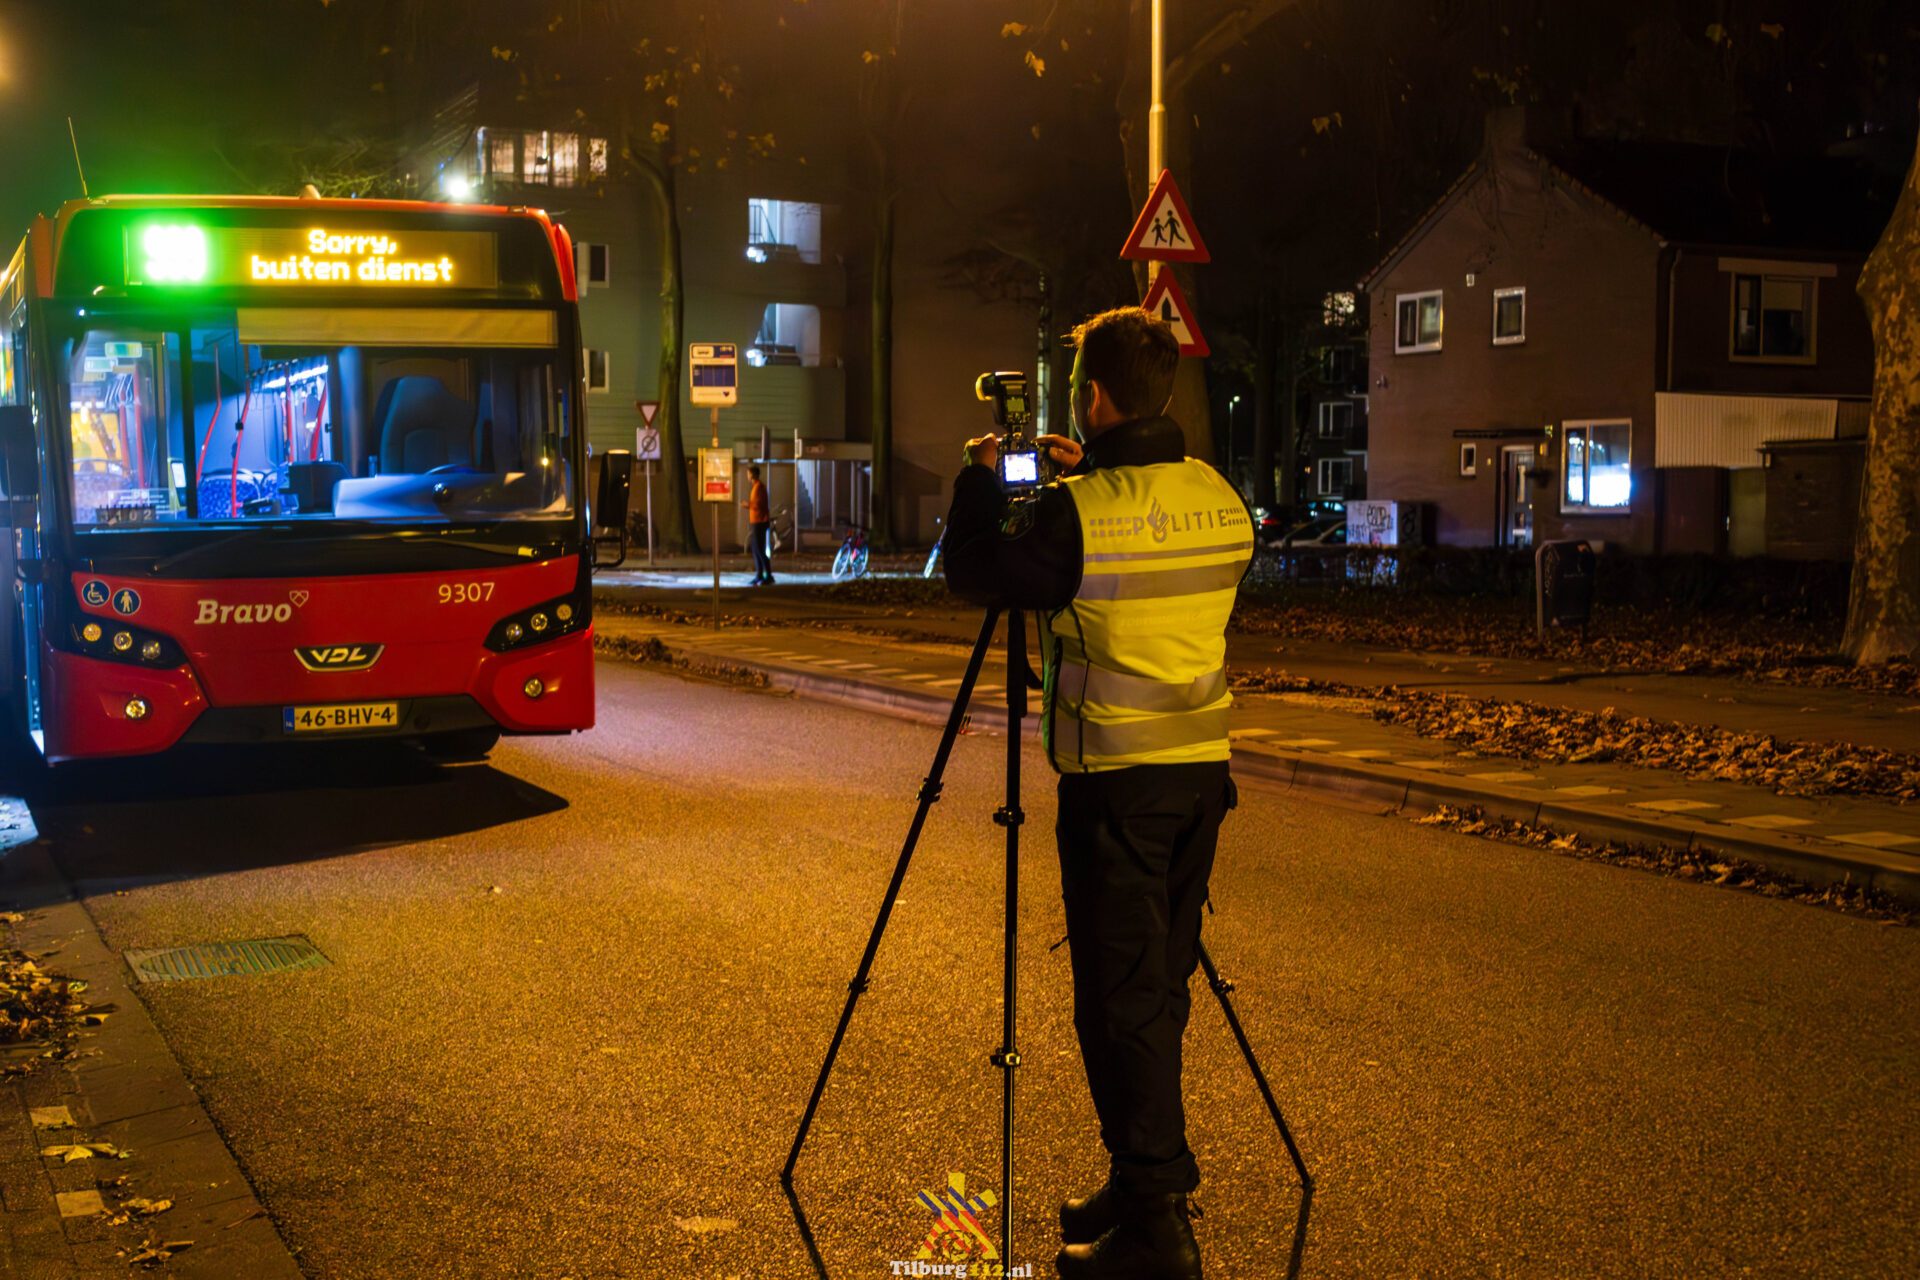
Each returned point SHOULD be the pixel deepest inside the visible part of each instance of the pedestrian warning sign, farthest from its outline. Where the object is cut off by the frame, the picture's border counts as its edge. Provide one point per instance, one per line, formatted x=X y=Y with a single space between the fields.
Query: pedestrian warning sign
x=1164 y=231
x=1165 y=300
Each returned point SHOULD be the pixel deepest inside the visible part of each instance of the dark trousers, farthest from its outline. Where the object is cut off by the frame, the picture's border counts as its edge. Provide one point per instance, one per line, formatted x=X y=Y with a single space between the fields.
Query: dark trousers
x=759 y=539
x=1136 y=849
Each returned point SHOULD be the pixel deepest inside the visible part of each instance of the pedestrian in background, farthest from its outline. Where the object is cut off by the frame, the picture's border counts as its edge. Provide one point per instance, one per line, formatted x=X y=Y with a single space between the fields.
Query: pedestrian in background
x=760 y=529
x=1132 y=561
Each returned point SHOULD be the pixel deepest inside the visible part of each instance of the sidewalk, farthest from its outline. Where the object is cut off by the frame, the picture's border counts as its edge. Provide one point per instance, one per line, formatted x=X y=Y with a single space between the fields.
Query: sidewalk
x=73 y=1219
x=1332 y=743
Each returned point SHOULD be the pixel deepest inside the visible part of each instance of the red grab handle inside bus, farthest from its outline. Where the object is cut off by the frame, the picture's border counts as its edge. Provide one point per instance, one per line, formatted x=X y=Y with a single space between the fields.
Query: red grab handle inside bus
x=233 y=473
x=213 y=422
x=319 y=418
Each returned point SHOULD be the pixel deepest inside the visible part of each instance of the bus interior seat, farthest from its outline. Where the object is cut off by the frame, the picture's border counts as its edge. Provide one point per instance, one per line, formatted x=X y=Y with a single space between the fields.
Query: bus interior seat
x=312 y=484
x=422 y=426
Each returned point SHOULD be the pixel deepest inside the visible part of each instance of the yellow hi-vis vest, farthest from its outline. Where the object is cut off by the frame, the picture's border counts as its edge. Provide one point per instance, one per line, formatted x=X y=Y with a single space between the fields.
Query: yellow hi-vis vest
x=1136 y=664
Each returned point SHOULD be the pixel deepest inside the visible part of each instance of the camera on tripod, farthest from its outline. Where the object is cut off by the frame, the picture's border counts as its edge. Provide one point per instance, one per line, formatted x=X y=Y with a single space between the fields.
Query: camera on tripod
x=1024 y=466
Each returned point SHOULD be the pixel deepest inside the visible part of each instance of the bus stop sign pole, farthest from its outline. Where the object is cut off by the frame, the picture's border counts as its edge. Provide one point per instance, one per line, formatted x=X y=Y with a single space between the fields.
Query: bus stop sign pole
x=715 y=383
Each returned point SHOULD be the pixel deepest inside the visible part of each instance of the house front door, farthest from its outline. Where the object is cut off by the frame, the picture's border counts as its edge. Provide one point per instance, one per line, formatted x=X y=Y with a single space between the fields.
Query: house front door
x=1516 y=496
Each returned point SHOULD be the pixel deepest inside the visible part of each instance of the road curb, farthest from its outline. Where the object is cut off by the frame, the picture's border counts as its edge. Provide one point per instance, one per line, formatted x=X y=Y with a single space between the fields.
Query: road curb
x=124 y=1087
x=1405 y=790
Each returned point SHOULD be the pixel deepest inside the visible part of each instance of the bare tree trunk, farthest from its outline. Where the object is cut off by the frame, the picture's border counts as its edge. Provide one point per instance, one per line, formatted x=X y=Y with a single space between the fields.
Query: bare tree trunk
x=1289 y=357
x=1263 y=373
x=1883 y=614
x=880 y=515
x=676 y=513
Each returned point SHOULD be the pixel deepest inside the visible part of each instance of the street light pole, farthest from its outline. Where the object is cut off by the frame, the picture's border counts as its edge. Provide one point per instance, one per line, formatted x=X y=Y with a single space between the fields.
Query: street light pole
x=1156 y=117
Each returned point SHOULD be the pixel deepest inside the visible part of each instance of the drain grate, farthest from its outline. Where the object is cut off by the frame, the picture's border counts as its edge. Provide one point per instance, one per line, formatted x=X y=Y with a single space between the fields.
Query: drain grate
x=225 y=959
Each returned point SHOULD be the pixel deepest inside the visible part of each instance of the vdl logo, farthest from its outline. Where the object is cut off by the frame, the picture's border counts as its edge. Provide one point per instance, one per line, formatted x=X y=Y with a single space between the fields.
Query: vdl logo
x=339 y=657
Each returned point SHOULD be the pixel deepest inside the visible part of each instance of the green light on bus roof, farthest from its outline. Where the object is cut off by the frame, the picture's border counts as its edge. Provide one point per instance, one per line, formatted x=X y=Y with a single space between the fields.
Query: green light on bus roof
x=174 y=254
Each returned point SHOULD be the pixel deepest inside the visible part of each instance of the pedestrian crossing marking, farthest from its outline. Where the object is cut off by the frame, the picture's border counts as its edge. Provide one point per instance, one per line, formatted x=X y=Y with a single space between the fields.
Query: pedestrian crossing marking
x=1304 y=743
x=859 y=666
x=1876 y=839
x=1250 y=733
x=1586 y=791
x=1421 y=764
x=829 y=662
x=1506 y=775
x=1674 y=806
x=950 y=680
x=1771 y=821
x=1365 y=753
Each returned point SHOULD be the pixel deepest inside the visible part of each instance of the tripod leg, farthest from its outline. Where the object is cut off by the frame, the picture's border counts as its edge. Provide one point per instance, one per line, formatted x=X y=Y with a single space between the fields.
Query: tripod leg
x=1010 y=816
x=1223 y=988
x=929 y=792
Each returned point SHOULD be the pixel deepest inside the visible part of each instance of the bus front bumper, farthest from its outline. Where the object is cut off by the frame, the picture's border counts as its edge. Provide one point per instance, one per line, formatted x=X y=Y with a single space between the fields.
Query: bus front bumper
x=95 y=709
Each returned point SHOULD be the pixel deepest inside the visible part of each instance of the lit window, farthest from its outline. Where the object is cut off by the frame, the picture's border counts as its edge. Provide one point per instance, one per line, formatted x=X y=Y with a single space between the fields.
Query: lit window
x=783 y=230
x=500 y=159
x=1773 y=318
x=535 y=166
x=599 y=371
x=1336 y=418
x=1336 y=310
x=1596 y=467
x=565 y=158
x=1509 y=316
x=1417 y=325
x=1335 y=476
x=596 y=157
x=789 y=334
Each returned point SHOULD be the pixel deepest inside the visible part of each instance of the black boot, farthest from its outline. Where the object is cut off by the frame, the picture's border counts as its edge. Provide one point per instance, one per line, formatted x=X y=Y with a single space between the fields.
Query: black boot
x=1085 y=1220
x=1152 y=1241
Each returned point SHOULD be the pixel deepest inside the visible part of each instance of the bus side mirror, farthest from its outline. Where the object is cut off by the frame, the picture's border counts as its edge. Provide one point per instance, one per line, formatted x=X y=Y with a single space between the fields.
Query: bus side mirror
x=19 y=451
x=616 y=488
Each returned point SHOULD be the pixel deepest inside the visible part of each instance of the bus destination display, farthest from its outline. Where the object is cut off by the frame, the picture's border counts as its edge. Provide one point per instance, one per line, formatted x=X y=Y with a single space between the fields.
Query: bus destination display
x=189 y=254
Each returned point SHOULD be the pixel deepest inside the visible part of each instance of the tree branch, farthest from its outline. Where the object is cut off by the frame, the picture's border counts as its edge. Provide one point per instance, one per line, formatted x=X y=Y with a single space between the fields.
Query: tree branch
x=1236 y=26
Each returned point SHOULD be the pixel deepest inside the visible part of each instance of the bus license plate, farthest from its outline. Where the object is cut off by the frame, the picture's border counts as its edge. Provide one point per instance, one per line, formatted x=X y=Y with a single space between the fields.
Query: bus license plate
x=341 y=717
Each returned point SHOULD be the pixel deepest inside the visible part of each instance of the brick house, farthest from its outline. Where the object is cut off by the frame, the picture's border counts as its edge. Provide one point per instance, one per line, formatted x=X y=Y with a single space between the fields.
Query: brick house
x=1627 y=342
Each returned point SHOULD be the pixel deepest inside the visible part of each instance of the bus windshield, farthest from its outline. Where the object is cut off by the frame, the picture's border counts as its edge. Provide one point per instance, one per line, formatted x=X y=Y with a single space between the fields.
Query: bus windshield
x=421 y=415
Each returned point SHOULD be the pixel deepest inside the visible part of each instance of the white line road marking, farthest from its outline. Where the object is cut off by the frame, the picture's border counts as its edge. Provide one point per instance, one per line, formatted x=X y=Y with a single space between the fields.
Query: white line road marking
x=1250 y=733
x=1506 y=775
x=859 y=666
x=1303 y=743
x=1771 y=821
x=829 y=662
x=1585 y=791
x=950 y=680
x=1674 y=806
x=1365 y=753
x=1876 y=839
x=1421 y=764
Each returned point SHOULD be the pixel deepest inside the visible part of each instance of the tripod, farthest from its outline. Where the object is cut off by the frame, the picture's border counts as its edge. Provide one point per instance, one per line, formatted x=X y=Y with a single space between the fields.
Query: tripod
x=1009 y=816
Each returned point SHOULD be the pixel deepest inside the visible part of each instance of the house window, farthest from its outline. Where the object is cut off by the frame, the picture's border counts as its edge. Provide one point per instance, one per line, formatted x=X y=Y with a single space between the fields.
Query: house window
x=565 y=159
x=596 y=157
x=789 y=334
x=1417 y=326
x=1335 y=476
x=1773 y=318
x=783 y=230
x=599 y=371
x=1336 y=310
x=1596 y=467
x=1336 y=365
x=500 y=158
x=1336 y=418
x=1509 y=316
x=596 y=269
x=534 y=163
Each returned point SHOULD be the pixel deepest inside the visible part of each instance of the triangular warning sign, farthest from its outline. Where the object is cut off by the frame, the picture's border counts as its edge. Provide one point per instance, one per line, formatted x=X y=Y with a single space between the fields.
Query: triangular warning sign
x=647 y=409
x=1165 y=300
x=1164 y=231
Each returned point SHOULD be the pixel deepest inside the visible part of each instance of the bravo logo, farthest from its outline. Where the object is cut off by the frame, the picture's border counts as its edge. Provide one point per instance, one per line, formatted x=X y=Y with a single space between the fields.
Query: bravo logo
x=213 y=612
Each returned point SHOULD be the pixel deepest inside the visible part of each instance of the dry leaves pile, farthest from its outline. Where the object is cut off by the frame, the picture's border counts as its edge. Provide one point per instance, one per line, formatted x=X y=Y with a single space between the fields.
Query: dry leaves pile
x=39 y=1007
x=1679 y=863
x=1776 y=650
x=1558 y=735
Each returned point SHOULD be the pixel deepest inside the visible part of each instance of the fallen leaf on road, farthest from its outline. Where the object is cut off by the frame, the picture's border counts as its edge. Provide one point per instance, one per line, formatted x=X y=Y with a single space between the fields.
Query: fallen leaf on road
x=151 y=1254
x=146 y=1208
x=71 y=1151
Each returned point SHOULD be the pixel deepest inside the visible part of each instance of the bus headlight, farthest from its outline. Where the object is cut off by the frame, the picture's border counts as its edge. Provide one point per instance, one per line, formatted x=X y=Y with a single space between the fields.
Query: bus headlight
x=126 y=644
x=543 y=622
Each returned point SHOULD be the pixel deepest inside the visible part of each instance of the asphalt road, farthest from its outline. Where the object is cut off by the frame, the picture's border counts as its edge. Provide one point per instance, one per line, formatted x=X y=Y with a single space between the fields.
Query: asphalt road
x=577 y=997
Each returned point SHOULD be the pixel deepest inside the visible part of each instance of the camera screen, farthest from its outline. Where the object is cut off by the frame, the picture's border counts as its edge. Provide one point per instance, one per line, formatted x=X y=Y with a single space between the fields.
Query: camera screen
x=1020 y=468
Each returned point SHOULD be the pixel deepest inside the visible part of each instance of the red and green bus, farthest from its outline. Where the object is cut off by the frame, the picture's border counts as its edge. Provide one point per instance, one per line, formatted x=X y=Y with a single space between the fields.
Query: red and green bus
x=289 y=469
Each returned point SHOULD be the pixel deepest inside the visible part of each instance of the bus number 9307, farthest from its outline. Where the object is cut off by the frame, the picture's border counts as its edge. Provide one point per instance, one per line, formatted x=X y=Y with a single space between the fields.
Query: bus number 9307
x=465 y=592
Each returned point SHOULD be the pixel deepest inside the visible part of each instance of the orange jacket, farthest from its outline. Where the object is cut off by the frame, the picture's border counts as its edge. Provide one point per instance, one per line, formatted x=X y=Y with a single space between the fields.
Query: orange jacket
x=758 y=512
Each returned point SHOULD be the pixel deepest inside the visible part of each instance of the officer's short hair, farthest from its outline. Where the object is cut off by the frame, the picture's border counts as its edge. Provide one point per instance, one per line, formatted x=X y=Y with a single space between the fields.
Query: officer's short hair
x=1132 y=353
x=754 y=472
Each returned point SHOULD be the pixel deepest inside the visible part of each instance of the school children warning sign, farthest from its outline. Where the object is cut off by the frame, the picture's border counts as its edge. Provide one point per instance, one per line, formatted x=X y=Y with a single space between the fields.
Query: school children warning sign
x=1164 y=231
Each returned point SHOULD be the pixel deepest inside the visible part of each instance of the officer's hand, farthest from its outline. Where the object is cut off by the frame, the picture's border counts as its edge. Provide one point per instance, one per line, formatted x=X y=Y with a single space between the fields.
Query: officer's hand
x=1063 y=450
x=983 y=451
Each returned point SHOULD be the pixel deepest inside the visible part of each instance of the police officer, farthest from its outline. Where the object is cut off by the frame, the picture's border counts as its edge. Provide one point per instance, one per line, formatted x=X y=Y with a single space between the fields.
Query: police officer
x=1131 y=561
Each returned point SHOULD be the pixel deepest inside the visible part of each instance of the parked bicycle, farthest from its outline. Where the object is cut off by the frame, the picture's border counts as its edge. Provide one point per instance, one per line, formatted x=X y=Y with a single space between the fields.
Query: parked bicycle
x=851 y=560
